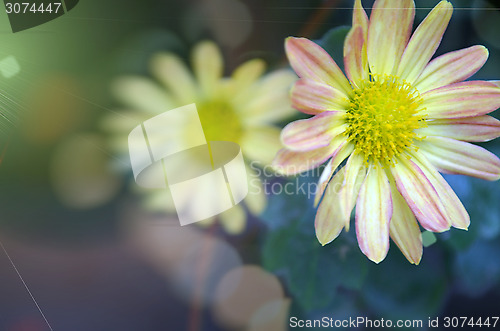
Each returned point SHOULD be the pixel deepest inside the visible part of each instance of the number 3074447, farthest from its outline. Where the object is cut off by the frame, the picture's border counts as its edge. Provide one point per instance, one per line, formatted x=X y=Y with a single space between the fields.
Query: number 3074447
x=26 y=8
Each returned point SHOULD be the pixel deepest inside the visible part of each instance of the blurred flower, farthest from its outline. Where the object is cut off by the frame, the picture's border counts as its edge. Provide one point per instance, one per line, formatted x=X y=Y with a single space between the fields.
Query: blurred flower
x=398 y=120
x=240 y=108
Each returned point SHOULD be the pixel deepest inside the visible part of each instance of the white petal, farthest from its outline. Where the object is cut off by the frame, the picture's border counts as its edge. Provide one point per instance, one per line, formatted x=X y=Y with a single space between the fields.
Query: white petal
x=261 y=143
x=388 y=33
x=404 y=229
x=328 y=222
x=208 y=66
x=174 y=74
x=373 y=214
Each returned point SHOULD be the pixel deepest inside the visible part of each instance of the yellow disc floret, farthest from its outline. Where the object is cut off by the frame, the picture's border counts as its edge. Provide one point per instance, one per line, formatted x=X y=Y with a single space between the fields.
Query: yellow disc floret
x=382 y=117
x=219 y=121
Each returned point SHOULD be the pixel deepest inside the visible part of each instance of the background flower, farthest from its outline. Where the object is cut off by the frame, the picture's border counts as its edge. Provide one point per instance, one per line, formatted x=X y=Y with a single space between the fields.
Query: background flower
x=240 y=108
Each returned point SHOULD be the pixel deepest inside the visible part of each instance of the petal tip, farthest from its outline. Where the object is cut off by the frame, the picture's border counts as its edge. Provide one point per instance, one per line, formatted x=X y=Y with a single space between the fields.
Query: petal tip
x=416 y=258
x=290 y=40
x=377 y=259
x=446 y=3
x=484 y=50
x=206 y=44
x=323 y=238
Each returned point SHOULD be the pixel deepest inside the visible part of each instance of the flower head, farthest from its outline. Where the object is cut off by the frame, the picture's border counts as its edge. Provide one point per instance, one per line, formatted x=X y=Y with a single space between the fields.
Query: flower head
x=397 y=119
x=241 y=108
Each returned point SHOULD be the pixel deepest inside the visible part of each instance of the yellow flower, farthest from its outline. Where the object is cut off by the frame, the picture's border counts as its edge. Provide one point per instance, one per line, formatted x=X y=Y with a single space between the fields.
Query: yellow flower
x=398 y=118
x=241 y=108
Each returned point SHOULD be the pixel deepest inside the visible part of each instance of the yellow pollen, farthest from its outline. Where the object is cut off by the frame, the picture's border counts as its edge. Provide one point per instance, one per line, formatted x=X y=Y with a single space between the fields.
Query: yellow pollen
x=219 y=121
x=382 y=118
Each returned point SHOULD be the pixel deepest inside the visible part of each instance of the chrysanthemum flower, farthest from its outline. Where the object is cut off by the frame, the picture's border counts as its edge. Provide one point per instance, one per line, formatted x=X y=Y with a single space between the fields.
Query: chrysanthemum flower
x=240 y=108
x=397 y=119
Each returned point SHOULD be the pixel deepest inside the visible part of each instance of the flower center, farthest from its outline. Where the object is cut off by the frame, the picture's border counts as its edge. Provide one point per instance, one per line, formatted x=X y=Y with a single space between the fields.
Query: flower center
x=219 y=121
x=382 y=118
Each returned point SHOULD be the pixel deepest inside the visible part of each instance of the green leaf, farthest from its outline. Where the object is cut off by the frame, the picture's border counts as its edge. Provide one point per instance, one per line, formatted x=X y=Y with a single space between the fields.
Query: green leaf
x=428 y=238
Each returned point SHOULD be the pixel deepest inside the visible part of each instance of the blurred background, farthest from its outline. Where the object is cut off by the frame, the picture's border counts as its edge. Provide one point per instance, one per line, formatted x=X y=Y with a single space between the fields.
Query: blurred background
x=82 y=248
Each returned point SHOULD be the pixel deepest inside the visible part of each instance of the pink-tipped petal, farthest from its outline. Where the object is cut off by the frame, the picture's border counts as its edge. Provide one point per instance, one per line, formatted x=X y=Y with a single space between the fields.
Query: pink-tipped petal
x=373 y=213
x=480 y=128
x=424 y=42
x=454 y=207
x=329 y=170
x=289 y=162
x=313 y=98
x=496 y=82
x=388 y=33
x=465 y=99
x=359 y=18
x=404 y=229
x=309 y=60
x=451 y=68
x=328 y=223
x=314 y=132
x=421 y=196
x=355 y=59
x=458 y=157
